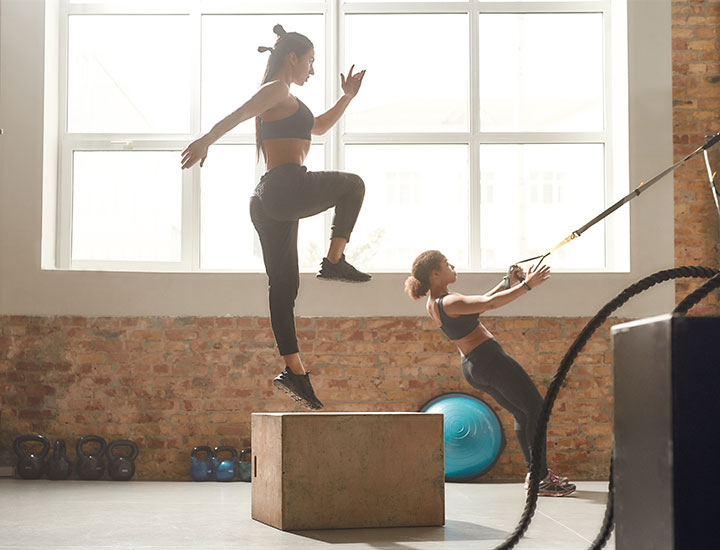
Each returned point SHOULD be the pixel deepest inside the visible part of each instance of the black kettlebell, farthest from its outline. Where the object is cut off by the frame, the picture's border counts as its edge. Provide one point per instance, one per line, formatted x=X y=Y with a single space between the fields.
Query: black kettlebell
x=30 y=465
x=59 y=466
x=90 y=466
x=121 y=467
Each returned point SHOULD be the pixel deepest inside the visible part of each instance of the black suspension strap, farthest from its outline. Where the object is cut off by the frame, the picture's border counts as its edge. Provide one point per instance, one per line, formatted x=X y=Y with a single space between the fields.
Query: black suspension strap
x=709 y=142
x=567 y=363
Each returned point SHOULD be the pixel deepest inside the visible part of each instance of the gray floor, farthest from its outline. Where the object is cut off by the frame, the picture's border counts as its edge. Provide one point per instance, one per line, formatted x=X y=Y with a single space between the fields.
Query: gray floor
x=174 y=515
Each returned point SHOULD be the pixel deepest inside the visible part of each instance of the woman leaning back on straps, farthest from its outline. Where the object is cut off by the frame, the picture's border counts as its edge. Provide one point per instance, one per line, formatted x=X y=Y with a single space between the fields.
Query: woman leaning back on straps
x=485 y=364
x=288 y=191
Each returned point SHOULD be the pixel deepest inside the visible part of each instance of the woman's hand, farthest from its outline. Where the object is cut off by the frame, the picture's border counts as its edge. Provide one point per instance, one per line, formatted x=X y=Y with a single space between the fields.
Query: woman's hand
x=516 y=274
x=196 y=151
x=351 y=86
x=537 y=275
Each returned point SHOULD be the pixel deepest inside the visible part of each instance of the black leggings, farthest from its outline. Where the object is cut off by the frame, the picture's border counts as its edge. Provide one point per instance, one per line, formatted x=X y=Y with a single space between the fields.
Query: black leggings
x=490 y=369
x=284 y=195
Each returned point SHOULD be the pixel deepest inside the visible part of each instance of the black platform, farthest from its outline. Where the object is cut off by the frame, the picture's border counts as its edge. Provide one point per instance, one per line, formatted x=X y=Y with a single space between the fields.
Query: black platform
x=667 y=433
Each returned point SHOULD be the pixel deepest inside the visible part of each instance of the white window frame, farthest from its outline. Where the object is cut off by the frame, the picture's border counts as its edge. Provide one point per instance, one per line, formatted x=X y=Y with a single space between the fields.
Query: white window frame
x=334 y=142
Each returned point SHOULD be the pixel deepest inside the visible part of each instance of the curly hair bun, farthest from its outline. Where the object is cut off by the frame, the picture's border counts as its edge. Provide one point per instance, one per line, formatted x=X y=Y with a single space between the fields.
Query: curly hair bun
x=278 y=29
x=415 y=288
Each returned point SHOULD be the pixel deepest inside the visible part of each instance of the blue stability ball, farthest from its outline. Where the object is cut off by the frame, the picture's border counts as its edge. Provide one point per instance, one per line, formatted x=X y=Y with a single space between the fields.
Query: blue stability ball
x=473 y=434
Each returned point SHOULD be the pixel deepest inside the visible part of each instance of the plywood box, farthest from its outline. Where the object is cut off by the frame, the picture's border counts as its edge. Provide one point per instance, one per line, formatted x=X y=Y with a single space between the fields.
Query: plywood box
x=342 y=470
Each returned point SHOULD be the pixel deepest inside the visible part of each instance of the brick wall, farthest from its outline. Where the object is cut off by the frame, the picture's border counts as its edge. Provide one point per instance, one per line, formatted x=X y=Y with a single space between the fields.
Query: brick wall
x=172 y=383
x=696 y=98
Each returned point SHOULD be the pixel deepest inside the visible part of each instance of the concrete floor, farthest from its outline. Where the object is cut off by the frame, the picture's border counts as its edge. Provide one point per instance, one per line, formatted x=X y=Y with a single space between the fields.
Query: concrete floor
x=172 y=515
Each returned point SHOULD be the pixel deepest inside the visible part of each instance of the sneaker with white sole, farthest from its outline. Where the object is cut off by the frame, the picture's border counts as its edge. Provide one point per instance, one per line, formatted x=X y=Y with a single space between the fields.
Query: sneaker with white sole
x=551 y=476
x=551 y=489
x=552 y=486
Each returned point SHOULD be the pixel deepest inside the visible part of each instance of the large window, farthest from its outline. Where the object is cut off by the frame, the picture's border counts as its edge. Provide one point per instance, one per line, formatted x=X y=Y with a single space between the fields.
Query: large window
x=484 y=129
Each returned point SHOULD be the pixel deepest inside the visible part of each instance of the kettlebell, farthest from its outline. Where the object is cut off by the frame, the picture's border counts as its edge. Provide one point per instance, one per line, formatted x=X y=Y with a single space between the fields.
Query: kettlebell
x=90 y=466
x=30 y=465
x=121 y=467
x=224 y=469
x=201 y=469
x=59 y=466
x=244 y=466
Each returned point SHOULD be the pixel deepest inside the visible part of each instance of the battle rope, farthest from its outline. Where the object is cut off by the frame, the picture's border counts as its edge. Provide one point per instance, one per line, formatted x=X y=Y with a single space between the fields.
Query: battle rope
x=567 y=363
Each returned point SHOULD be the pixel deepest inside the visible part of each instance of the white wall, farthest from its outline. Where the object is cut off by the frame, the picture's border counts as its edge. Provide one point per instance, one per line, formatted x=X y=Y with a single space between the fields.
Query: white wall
x=26 y=289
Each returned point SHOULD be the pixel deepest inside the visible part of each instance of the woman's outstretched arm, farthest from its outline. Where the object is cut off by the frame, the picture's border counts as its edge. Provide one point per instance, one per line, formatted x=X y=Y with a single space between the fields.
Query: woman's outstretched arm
x=265 y=98
x=457 y=304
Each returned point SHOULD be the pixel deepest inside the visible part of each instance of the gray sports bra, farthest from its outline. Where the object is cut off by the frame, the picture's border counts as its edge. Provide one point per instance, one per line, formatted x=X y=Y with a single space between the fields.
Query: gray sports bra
x=297 y=125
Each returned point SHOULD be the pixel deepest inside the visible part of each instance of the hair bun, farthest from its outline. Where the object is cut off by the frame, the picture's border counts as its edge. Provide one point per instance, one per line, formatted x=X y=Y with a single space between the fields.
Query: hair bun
x=278 y=29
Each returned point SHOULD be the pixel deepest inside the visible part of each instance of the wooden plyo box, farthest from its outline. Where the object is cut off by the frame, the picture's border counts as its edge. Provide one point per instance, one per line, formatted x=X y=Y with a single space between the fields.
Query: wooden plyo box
x=344 y=470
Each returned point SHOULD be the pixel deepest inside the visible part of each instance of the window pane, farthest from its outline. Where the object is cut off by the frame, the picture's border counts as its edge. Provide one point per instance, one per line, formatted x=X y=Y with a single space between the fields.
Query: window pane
x=412 y=84
x=549 y=77
x=127 y=205
x=402 y=214
x=128 y=74
x=533 y=196
x=233 y=69
x=228 y=239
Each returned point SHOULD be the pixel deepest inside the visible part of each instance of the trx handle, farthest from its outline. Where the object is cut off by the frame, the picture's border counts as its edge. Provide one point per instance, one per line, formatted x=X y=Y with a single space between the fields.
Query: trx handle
x=506 y=279
x=709 y=142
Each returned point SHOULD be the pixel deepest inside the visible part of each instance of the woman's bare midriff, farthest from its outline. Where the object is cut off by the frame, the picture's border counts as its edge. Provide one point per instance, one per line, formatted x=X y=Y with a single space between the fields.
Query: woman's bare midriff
x=468 y=343
x=280 y=151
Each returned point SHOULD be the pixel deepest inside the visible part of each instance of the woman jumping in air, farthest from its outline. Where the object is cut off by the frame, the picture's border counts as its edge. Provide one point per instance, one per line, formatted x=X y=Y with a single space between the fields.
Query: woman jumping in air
x=485 y=365
x=288 y=191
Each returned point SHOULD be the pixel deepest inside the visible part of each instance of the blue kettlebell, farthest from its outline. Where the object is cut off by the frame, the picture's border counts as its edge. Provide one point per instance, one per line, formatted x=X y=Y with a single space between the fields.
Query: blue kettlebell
x=244 y=466
x=225 y=469
x=201 y=469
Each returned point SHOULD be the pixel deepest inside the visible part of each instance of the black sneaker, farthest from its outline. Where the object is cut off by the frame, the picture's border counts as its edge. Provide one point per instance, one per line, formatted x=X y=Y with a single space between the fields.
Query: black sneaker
x=341 y=271
x=298 y=387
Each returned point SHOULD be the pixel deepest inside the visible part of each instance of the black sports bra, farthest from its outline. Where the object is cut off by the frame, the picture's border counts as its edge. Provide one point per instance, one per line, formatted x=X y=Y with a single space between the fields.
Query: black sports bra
x=457 y=327
x=297 y=125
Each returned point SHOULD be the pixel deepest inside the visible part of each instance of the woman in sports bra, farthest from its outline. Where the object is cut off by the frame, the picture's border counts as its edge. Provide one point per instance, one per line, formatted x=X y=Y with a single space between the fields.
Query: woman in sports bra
x=288 y=191
x=485 y=365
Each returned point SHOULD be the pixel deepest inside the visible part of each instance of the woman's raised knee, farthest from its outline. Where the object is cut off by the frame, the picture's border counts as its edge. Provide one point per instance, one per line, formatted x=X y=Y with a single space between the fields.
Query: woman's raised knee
x=356 y=184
